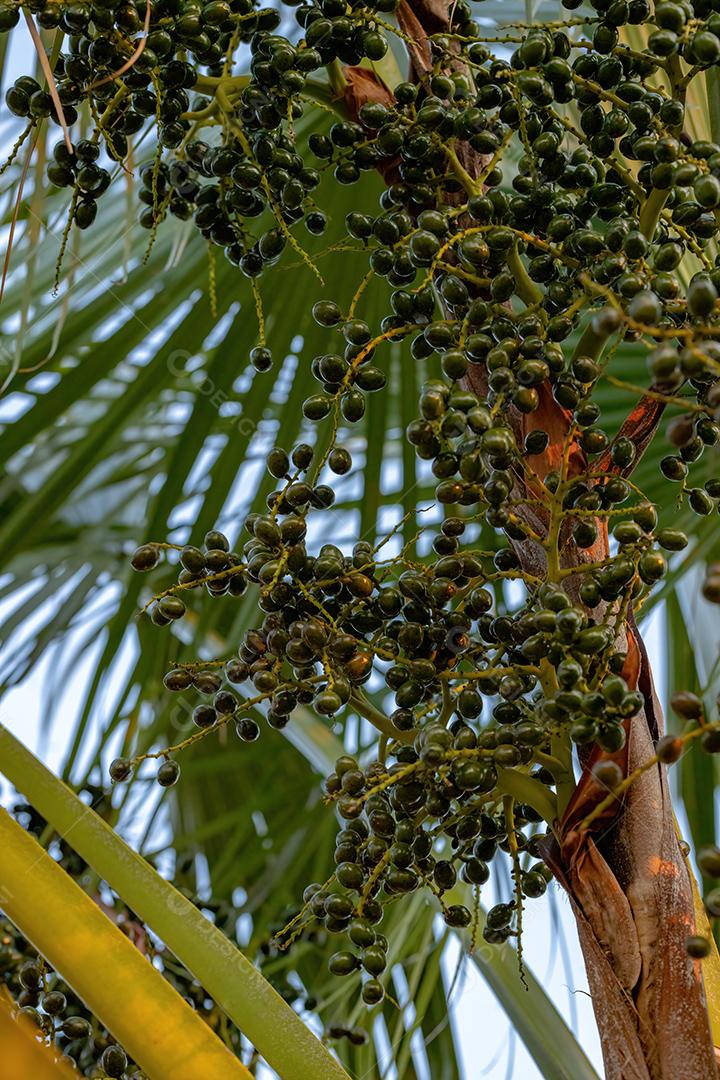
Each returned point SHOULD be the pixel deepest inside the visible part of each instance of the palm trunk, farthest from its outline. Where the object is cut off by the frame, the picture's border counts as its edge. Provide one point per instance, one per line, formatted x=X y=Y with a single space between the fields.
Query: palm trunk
x=642 y=980
x=631 y=894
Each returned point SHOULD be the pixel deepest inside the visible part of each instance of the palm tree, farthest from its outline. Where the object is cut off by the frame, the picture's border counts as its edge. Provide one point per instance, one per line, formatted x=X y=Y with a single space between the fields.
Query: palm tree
x=135 y=416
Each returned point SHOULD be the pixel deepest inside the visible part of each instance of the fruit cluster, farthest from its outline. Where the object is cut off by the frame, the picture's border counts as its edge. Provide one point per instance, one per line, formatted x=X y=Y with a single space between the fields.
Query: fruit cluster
x=522 y=243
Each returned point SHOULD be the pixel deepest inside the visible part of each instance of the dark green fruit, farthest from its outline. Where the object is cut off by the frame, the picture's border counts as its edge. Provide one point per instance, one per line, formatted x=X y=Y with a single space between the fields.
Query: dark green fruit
x=710 y=741
x=372 y=992
x=374 y=960
x=278 y=462
x=114 y=1061
x=343 y=963
x=120 y=769
x=672 y=539
x=607 y=775
x=698 y=947
x=168 y=773
x=457 y=916
x=172 y=607
x=54 y=1002
x=701 y=296
x=145 y=557
x=75 y=1027
x=30 y=975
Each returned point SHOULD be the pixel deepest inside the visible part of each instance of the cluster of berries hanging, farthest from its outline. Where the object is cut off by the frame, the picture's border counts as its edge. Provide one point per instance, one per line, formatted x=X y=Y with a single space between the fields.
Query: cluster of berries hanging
x=545 y=199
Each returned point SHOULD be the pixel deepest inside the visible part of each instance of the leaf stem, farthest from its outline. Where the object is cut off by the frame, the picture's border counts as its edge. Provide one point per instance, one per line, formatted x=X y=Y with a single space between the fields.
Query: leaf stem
x=651 y=211
x=524 y=789
x=336 y=77
x=527 y=290
x=378 y=720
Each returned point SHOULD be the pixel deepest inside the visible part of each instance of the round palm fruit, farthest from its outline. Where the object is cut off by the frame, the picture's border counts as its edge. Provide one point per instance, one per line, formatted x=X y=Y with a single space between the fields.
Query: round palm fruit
x=711 y=588
x=372 y=992
x=607 y=774
x=712 y=903
x=672 y=539
x=168 y=773
x=120 y=769
x=669 y=749
x=457 y=916
x=76 y=1027
x=701 y=296
x=54 y=1002
x=708 y=860
x=216 y=541
x=698 y=947
x=710 y=741
x=113 y=1061
x=171 y=607
x=30 y=975
x=687 y=705
x=343 y=963
x=146 y=557
x=278 y=463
